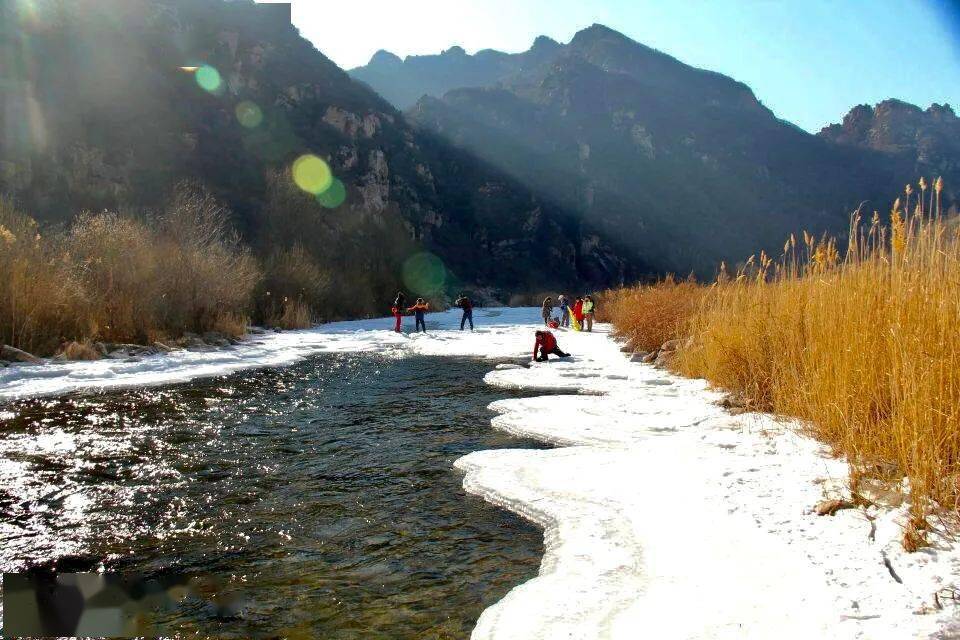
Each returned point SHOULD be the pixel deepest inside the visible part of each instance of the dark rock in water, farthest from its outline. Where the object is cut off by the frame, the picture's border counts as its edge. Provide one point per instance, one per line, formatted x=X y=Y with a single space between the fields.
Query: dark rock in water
x=216 y=339
x=650 y=357
x=17 y=355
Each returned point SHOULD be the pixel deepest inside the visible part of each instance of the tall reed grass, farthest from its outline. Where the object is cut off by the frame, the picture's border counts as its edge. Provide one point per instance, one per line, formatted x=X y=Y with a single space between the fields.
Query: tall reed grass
x=862 y=342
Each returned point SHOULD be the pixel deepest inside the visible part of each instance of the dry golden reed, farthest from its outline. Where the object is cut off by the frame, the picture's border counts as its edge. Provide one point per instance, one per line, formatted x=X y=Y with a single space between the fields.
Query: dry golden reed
x=649 y=315
x=118 y=278
x=862 y=344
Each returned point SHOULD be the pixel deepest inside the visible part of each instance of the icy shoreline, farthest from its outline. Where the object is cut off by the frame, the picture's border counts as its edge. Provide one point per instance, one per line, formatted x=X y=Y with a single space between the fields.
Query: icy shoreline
x=665 y=516
x=662 y=514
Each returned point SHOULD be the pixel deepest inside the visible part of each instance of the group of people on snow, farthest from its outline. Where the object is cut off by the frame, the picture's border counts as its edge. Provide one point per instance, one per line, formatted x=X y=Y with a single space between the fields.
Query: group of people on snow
x=577 y=315
x=420 y=307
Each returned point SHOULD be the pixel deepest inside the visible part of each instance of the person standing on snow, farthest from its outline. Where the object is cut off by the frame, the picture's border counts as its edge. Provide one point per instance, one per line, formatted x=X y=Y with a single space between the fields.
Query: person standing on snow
x=547 y=345
x=419 y=309
x=588 y=309
x=464 y=303
x=564 y=311
x=577 y=312
x=397 y=309
x=546 y=311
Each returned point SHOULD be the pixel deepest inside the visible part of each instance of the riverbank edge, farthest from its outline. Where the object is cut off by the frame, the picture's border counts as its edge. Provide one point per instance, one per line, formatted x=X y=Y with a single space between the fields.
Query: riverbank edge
x=910 y=590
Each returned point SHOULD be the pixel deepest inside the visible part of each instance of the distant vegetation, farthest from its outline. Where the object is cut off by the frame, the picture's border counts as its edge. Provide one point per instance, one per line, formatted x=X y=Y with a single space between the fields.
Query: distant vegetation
x=135 y=277
x=862 y=343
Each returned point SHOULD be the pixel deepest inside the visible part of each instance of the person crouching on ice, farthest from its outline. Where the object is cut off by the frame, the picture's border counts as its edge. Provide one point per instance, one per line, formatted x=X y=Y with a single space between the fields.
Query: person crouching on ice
x=547 y=346
x=419 y=309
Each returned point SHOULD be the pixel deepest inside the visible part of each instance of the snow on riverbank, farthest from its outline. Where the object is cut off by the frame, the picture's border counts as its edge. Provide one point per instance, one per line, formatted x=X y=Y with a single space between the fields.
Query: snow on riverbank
x=496 y=337
x=666 y=517
x=663 y=516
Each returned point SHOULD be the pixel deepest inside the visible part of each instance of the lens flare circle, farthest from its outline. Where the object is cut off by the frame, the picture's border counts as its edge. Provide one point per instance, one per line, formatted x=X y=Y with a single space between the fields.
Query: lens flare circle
x=208 y=78
x=249 y=114
x=334 y=196
x=312 y=174
x=424 y=274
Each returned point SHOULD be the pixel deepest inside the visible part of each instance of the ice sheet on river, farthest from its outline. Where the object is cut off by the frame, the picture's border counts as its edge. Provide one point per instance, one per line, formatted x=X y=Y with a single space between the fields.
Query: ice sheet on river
x=496 y=336
x=663 y=516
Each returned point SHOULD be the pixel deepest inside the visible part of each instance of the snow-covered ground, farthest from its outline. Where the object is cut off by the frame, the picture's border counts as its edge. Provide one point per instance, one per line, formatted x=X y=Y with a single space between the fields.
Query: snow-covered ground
x=663 y=516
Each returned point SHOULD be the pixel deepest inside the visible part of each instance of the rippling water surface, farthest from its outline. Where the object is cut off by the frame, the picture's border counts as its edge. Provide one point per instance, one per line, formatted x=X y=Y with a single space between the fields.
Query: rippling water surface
x=324 y=491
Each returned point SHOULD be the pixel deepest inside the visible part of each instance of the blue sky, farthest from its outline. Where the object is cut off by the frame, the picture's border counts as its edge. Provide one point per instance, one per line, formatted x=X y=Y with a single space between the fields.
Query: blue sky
x=809 y=61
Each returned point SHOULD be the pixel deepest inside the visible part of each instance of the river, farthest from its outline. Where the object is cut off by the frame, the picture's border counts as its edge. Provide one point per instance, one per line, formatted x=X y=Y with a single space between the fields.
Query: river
x=322 y=492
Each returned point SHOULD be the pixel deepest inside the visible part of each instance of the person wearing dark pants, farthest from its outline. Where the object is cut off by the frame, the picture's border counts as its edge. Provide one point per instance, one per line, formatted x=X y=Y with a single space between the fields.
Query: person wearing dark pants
x=547 y=346
x=464 y=303
x=546 y=311
x=419 y=309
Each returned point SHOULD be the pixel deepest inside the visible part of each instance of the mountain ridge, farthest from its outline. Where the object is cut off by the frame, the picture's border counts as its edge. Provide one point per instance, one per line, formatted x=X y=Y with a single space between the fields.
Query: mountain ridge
x=686 y=164
x=125 y=120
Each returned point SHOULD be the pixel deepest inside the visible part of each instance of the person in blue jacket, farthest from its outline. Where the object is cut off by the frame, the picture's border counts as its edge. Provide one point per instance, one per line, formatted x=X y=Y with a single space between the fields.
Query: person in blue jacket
x=564 y=310
x=419 y=309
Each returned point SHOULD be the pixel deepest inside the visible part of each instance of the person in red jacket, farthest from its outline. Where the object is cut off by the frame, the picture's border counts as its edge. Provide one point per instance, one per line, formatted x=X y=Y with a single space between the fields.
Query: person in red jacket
x=547 y=345
x=397 y=309
x=578 y=310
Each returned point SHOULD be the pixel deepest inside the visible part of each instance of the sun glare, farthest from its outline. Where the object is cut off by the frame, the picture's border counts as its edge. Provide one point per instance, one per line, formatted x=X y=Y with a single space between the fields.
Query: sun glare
x=312 y=174
x=209 y=79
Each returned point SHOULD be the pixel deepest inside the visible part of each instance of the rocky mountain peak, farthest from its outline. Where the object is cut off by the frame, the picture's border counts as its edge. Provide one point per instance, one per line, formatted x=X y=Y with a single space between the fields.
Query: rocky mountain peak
x=597 y=32
x=544 y=43
x=384 y=58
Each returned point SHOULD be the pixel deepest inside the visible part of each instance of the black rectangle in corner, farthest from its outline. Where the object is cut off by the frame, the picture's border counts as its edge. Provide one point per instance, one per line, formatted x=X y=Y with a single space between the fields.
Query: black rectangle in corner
x=44 y=604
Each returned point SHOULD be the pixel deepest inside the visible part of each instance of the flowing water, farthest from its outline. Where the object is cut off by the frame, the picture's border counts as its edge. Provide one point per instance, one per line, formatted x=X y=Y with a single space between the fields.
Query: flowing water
x=324 y=492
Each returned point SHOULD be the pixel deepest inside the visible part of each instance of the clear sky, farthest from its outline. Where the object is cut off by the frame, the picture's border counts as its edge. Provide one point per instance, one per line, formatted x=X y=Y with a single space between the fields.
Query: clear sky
x=808 y=60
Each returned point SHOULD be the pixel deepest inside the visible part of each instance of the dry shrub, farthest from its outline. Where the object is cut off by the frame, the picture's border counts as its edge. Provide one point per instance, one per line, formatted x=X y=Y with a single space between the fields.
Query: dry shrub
x=115 y=264
x=123 y=279
x=207 y=278
x=649 y=315
x=294 y=287
x=291 y=314
x=36 y=290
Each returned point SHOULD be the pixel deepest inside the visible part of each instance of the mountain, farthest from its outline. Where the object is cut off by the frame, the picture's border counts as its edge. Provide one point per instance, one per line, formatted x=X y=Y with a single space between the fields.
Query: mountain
x=107 y=104
x=926 y=142
x=403 y=82
x=684 y=164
